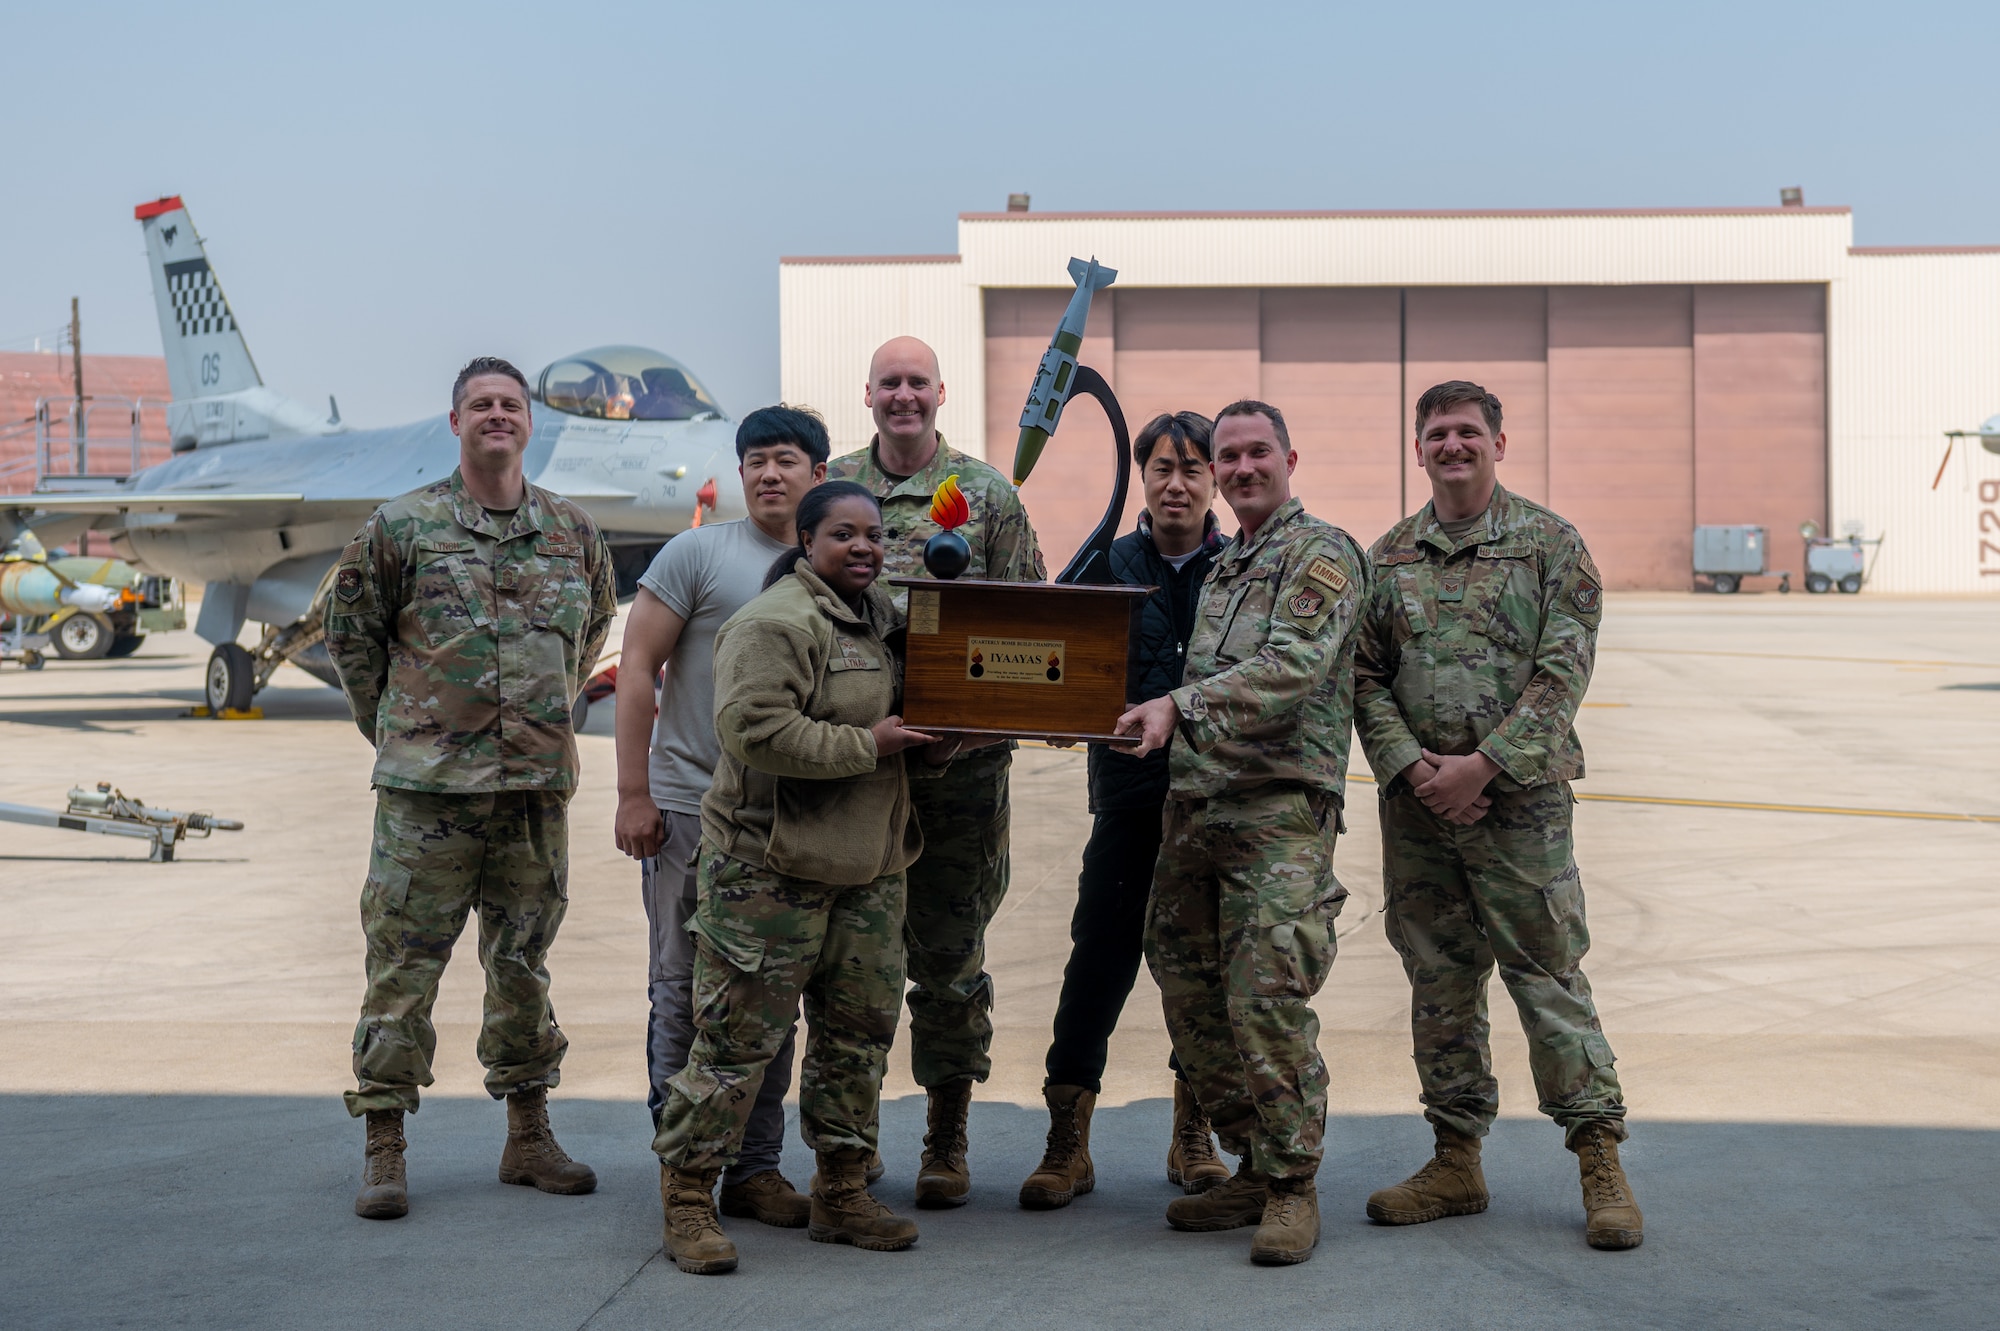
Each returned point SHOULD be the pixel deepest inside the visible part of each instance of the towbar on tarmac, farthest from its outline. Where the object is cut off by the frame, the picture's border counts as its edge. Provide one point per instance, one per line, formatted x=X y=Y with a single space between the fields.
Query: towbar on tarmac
x=111 y=812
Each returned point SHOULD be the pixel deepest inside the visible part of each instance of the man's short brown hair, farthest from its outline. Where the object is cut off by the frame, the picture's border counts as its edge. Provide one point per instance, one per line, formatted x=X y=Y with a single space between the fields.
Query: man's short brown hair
x=1456 y=393
x=483 y=365
x=1250 y=406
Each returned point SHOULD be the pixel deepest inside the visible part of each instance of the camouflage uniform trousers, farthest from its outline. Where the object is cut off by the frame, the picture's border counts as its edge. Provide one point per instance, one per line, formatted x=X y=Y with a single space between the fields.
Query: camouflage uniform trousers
x=1505 y=892
x=1239 y=936
x=762 y=941
x=956 y=887
x=502 y=855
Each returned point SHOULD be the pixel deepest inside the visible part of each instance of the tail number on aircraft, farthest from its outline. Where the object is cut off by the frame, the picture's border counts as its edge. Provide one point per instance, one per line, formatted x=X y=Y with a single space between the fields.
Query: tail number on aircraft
x=211 y=369
x=1989 y=521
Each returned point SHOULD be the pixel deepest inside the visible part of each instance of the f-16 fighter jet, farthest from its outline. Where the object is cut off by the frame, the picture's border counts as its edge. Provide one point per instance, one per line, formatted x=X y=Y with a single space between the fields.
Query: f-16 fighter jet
x=262 y=492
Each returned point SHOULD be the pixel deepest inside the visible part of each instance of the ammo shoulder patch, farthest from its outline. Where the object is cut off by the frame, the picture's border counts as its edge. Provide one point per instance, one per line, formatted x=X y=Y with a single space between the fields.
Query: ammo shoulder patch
x=1322 y=571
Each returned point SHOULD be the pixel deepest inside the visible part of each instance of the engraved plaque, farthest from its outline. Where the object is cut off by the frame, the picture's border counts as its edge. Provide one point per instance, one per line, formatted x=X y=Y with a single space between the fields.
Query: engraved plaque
x=1014 y=660
x=923 y=612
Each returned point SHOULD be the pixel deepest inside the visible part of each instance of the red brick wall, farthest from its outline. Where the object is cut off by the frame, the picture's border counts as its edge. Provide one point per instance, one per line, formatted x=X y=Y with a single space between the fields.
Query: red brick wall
x=27 y=375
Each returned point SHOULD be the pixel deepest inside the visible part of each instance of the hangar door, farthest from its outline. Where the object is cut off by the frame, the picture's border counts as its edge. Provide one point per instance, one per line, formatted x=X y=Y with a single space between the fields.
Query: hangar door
x=1636 y=412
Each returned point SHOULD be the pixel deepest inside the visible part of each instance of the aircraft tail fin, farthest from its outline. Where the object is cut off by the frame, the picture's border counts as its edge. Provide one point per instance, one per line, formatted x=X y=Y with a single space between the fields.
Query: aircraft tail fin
x=206 y=354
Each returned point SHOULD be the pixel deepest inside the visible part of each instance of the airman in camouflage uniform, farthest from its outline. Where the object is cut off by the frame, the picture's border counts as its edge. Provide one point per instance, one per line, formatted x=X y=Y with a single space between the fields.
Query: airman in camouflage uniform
x=957 y=886
x=461 y=637
x=1481 y=641
x=1240 y=930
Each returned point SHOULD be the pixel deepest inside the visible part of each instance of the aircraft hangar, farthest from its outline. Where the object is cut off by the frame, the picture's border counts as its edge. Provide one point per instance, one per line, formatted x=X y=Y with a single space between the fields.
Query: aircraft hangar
x=1660 y=369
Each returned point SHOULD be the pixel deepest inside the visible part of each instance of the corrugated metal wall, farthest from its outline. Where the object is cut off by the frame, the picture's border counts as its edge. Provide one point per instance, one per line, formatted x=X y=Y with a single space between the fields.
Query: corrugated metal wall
x=1528 y=249
x=1915 y=351
x=832 y=314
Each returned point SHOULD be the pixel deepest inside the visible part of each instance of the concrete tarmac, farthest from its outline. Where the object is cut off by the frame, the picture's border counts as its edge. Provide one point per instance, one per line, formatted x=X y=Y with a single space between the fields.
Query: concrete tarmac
x=1805 y=1004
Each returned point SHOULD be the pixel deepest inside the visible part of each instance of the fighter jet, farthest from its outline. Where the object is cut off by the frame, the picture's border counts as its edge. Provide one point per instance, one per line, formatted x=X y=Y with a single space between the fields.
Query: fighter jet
x=262 y=492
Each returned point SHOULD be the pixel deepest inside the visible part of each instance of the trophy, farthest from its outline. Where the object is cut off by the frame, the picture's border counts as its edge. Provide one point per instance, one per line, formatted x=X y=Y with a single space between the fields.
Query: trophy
x=1029 y=658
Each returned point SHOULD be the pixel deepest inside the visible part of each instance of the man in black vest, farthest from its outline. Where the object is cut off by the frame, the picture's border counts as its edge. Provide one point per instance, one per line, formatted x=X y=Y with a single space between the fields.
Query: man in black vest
x=1177 y=541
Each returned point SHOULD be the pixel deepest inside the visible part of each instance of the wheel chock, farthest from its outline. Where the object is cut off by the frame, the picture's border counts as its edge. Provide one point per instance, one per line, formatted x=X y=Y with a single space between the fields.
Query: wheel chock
x=227 y=713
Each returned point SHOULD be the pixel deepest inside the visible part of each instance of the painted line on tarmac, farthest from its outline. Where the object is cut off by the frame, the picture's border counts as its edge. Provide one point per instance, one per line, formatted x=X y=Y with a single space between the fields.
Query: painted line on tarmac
x=1794 y=656
x=1756 y=807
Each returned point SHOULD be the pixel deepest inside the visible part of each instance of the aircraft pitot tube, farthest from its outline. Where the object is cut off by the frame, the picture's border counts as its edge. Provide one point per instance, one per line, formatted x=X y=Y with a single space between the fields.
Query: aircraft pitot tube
x=28 y=587
x=1055 y=377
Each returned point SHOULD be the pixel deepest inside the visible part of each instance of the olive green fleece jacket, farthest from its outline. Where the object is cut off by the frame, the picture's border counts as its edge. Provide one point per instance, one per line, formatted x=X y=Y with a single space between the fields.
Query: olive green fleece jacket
x=799 y=680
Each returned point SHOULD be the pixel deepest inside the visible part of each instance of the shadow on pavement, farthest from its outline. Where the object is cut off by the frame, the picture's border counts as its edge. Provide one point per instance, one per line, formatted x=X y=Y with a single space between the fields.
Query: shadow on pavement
x=235 y=1212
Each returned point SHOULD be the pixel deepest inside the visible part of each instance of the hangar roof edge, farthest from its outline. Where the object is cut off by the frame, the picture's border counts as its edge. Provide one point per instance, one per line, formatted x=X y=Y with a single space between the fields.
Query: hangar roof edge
x=1284 y=215
x=1880 y=251
x=869 y=258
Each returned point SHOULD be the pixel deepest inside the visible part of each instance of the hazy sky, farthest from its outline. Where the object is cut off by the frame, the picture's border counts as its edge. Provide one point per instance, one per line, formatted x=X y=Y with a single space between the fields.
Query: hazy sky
x=387 y=190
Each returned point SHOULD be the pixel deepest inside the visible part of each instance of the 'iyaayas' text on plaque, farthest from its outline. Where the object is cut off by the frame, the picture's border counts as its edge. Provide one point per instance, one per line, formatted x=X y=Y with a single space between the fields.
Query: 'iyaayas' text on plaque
x=1014 y=660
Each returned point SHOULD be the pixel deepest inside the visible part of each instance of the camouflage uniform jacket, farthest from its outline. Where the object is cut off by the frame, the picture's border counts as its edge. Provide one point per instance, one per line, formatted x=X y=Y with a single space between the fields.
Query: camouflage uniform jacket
x=1002 y=541
x=800 y=677
x=462 y=637
x=1270 y=679
x=1480 y=643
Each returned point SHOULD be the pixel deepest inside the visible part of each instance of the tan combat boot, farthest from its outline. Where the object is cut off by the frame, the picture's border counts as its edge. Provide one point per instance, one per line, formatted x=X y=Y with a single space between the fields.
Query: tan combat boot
x=1066 y=1172
x=531 y=1156
x=385 y=1192
x=1450 y=1183
x=1611 y=1216
x=943 y=1178
x=768 y=1197
x=690 y=1233
x=1231 y=1204
x=1290 y=1229
x=843 y=1210
x=1191 y=1160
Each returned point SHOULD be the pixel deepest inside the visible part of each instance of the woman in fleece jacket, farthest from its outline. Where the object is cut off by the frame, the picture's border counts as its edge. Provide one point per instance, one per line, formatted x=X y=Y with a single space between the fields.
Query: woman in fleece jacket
x=805 y=836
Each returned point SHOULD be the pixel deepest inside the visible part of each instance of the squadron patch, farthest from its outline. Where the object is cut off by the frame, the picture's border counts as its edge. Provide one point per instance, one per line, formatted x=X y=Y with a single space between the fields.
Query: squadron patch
x=347 y=584
x=1306 y=604
x=1586 y=596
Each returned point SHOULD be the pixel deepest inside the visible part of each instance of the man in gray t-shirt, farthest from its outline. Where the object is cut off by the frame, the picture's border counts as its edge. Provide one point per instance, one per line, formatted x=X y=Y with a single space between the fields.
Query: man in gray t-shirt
x=696 y=582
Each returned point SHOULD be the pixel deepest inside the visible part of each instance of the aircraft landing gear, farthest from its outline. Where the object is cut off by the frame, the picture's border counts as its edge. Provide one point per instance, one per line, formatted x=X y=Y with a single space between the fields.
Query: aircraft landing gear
x=231 y=681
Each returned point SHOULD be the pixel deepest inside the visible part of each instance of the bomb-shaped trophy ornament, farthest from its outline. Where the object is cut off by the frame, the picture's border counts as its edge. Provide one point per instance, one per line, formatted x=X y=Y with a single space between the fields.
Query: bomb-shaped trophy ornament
x=946 y=555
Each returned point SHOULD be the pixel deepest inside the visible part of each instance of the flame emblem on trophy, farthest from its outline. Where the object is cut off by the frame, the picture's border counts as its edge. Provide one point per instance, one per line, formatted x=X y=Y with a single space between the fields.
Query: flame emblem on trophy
x=946 y=555
x=978 y=665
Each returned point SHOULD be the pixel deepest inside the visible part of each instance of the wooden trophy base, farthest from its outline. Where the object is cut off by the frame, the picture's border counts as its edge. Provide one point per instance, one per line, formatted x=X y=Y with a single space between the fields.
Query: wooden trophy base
x=1029 y=659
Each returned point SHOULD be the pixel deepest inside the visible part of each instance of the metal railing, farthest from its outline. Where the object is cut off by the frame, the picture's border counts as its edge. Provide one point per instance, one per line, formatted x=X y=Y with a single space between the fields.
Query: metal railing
x=65 y=438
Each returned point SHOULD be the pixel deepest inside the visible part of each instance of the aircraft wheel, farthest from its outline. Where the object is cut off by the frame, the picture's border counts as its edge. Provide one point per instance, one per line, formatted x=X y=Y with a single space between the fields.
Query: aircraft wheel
x=83 y=637
x=1818 y=584
x=125 y=644
x=231 y=680
x=1851 y=583
x=1726 y=584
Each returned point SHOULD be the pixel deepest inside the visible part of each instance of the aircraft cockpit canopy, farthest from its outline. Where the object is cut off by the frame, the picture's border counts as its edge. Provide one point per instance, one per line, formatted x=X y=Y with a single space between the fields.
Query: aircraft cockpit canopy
x=625 y=384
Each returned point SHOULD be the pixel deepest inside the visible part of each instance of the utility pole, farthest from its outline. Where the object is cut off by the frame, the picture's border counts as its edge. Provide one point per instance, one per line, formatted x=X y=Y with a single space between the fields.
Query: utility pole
x=79 y=433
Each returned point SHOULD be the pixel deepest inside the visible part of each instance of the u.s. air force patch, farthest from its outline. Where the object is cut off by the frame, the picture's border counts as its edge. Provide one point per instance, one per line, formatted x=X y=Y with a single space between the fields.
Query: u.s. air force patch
x=1306 y=604
x=1586 y=596
x=347 y=584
